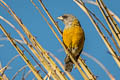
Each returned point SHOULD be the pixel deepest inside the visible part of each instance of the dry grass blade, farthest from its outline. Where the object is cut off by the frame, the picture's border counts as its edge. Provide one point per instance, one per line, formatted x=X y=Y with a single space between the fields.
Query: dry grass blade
x=14 y=76
x=68 y=74
x=2 y=75
x=50 y=61
x=2 y=71
x=49 y=15
x=37 y=46
x=86 y=69
x=115 y=26
x=27 y=74
x=116 y=17
x=100 y=64
x=25 y=41
x=115 y=57
x=33 y=58
x=113 y=14
x=113 y=40
x=21 y=54
x=112 y=27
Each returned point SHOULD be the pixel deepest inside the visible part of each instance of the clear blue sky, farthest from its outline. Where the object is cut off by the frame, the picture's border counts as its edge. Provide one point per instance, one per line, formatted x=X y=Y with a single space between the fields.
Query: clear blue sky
x=38 y=27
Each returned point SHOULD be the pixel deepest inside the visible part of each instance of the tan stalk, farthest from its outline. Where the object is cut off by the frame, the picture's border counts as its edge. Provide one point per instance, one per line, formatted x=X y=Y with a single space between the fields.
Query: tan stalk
x=53 y=21
x=115 y=26
x=113 y=14
x=2 y=75
x=115 y=57
x=100 y=64
x=38 y=48
x=32 y=57
x=86 y=69
x=25 y=41
x=47 y=65
x=38 y=76
x=113 y=40
x=28 y=72
x=50 y=60
x=2 y=70
x=83 y=65
x=62 y=66
x=110 y=23
x=13 y=78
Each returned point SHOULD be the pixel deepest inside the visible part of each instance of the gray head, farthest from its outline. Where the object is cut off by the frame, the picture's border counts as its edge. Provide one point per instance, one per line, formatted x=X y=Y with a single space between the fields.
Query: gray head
x=67 y=19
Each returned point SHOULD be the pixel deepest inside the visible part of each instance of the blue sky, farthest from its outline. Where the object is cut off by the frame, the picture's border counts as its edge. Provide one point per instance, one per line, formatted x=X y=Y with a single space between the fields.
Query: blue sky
x=37 y=26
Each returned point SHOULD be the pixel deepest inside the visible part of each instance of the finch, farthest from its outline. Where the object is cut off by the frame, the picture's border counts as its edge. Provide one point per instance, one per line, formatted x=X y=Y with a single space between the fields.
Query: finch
x=73 y=38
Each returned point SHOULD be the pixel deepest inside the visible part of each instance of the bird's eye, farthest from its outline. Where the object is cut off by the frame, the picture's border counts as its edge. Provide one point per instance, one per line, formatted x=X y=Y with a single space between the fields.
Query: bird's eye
x=64 y=17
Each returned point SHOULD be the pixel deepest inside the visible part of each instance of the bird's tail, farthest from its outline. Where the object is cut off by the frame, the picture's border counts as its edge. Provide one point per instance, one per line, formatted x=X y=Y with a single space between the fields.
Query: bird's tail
x=68 y=64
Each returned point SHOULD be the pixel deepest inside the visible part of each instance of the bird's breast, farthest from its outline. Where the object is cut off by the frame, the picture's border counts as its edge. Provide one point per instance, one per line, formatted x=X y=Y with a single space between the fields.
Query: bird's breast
x=72 y=36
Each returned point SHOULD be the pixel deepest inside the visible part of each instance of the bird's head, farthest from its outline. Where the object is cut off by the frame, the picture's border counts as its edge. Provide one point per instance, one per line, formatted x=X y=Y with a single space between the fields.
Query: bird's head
x=67 y=19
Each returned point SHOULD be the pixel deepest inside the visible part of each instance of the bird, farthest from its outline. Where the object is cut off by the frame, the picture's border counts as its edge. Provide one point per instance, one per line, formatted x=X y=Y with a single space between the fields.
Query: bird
x=73 y=37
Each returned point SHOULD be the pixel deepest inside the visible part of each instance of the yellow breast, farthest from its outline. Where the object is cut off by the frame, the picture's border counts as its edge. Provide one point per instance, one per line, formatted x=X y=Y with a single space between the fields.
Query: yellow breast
x=73 y=37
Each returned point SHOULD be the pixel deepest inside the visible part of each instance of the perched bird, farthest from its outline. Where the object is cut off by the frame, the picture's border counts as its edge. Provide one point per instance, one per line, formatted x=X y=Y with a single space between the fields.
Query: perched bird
x=73 y=38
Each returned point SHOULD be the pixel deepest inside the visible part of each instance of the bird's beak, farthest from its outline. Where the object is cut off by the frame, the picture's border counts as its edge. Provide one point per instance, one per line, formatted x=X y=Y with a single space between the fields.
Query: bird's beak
x=60 y=18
